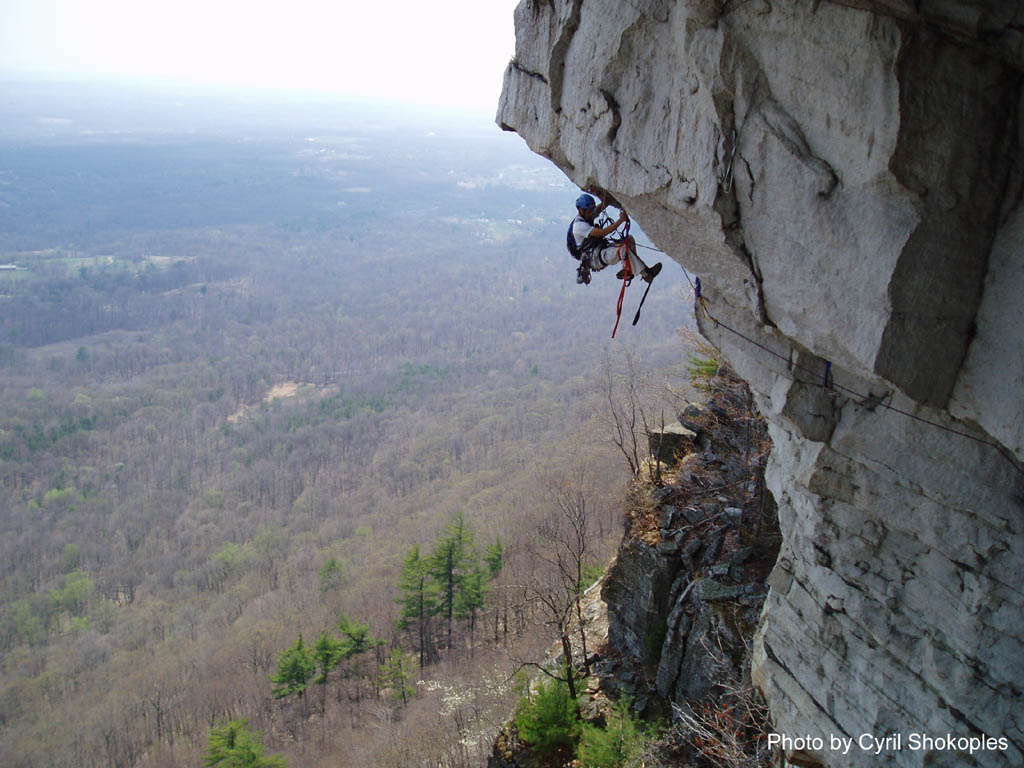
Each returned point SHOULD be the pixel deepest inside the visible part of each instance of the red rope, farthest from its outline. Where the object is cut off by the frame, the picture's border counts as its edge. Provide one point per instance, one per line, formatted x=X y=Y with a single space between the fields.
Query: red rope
x=626 y=277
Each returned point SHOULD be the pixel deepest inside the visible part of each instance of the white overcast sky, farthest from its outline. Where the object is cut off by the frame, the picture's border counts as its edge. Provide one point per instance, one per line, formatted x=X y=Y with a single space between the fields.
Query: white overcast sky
x=446 y=53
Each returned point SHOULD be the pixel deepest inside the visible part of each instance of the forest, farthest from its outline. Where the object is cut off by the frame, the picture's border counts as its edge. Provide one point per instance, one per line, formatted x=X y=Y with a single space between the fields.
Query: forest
x=287 y=392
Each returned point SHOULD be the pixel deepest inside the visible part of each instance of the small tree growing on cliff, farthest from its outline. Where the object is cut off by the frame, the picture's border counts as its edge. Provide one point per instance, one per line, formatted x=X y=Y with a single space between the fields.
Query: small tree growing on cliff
x=548 y=718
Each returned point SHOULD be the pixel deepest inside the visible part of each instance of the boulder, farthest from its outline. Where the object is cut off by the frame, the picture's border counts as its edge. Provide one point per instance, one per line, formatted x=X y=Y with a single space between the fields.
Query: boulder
x=671 y=443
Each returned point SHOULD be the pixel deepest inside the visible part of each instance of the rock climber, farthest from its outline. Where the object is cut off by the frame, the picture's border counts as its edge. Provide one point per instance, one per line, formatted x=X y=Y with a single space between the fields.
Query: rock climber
x=588 y=242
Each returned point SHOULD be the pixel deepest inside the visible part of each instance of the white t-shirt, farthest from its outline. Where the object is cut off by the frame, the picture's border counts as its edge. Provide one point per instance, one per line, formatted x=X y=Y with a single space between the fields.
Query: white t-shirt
x=581 y=229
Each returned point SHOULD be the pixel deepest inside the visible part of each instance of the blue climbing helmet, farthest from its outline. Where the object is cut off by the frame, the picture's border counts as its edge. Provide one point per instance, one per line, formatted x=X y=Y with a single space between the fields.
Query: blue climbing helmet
x=586 y=202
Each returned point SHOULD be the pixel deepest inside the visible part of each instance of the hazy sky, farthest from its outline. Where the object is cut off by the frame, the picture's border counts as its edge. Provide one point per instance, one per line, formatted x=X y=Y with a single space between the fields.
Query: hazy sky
x=448 y=53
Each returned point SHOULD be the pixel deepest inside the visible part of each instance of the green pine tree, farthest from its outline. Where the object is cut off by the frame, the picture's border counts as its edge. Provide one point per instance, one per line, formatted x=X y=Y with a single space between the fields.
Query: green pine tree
x=327 y=653
x=234 y=746
x=494 y=557
x=295 y=670
x=396 y=676
x=416 y=599
x=453 y=558
x=470 y=598
x=549 y=720
x=357 y=637
x=624 y=737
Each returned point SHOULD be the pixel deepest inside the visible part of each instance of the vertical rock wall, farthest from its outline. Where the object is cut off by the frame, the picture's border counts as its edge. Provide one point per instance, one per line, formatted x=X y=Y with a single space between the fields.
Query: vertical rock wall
x=846 y=178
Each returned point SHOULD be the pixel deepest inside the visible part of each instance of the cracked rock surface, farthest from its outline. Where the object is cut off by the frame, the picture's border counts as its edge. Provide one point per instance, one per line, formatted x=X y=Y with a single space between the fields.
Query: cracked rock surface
x=846 y=178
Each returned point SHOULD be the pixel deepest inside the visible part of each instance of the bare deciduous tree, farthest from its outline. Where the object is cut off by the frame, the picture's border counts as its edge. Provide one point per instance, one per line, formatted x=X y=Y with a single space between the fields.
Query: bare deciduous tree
x=552 y=573
x=625 y=408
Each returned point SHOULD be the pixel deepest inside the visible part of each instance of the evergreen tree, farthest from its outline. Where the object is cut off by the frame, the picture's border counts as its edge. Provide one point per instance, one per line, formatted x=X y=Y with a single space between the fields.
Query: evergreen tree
x=450 y=562
x=327 y=653
x=235 y=746
x=470 y=598
x=494 y=557
x=623 y=738
x=396 y=674
x=295 y=669
x=549 y=720
x=357 y=637
x=416 y=599
x=331 y=575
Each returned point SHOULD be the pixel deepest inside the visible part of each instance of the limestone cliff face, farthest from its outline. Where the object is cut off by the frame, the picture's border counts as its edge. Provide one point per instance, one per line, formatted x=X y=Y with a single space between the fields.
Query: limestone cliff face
x=846 y=177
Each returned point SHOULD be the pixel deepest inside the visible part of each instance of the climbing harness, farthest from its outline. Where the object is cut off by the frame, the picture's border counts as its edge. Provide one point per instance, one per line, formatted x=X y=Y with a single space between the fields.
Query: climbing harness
x=582 y=252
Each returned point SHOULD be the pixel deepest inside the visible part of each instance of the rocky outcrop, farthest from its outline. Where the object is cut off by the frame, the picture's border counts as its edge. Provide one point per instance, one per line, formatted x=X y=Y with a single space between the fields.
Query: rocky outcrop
x=846 y=178
x=687 y=586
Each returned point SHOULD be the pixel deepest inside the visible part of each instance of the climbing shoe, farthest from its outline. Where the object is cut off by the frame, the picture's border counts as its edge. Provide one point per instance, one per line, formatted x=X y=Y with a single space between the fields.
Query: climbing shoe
x=651 y=272
x=621 y=274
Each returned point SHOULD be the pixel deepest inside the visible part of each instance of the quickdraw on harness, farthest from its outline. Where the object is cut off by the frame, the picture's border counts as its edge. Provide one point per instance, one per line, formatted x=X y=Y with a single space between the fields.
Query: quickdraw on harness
x=580 y=252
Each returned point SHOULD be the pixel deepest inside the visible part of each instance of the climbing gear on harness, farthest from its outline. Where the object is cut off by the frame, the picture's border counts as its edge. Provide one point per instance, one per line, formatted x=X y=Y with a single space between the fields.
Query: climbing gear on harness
x=590 y=245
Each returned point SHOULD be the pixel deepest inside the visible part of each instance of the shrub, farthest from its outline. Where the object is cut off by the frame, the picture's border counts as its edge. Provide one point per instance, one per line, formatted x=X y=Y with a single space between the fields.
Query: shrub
x=549 y=720
x=731 y=732
x=704 y=366
x=623 y=738
x=591 y=573
x=233 y=745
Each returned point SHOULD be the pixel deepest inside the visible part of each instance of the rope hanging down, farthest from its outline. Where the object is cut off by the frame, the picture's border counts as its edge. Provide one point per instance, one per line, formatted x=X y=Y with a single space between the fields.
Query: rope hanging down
x=627 y=276
x=831 y=386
